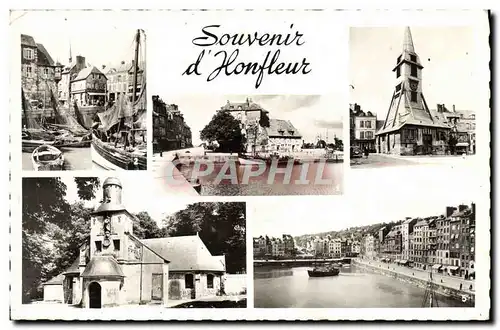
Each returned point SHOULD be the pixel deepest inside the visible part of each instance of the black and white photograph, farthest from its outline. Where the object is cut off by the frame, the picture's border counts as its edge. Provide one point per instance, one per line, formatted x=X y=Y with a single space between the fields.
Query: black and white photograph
x=83 y=97
x=102 y=242
x=256 y=145
x=420 y=255
x=414 y=96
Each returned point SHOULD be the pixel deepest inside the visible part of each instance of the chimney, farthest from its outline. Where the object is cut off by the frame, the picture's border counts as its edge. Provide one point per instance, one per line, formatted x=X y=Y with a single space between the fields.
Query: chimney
x=453 y=108
x=80 y=62
x=462 y=207
x=450 y=210
x=103 y=66
x=123 y=62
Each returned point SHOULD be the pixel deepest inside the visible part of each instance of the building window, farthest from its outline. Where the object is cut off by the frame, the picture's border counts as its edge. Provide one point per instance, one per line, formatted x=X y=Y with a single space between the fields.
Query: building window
x=46 y=71
x=189 y=281
x=413 y=96
x=116 y=244
x=98 y=246
x=362 y=124
x=210 y=281
x=28 y=71
x=413 y=70
x=413 y=58
x=368 y=124
x=398 y=72
x=28 y=54
x=361 y=135
x=398 y=87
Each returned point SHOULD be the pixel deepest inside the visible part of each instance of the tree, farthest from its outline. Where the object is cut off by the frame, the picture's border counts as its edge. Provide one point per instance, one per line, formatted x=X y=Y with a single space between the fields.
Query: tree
x=51 y=228
x=145 y=227
x=221 y=226
x=226 y=130
x=321 y=144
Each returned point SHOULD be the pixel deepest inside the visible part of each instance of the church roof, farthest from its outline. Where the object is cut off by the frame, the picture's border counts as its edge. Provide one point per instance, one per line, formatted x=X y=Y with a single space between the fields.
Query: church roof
x=103 y=266
x=74 y=268
x=408 y=41
x=276 y=126
x=106 y=207
x=186 y=253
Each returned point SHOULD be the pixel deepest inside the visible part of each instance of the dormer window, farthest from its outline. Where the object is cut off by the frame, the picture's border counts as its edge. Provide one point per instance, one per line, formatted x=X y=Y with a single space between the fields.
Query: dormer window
x=281 y=132
x=290 y=132
x=413 y=58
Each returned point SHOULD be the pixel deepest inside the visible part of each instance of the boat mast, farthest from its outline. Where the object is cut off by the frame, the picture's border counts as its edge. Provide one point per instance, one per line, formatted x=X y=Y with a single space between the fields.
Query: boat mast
x=136 y=64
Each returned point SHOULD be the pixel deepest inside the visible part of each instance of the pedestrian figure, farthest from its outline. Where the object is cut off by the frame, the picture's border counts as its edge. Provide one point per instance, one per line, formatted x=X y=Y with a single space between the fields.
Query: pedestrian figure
x=366 y=152
x=460 y=286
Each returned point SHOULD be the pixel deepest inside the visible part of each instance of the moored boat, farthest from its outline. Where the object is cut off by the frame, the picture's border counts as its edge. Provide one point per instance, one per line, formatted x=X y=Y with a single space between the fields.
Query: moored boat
x=249 y=161
x=323 y=271
x=47 y=158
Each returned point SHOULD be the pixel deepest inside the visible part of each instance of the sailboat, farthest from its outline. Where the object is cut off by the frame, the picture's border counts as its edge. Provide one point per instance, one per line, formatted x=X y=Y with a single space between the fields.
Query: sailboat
x=118 y=138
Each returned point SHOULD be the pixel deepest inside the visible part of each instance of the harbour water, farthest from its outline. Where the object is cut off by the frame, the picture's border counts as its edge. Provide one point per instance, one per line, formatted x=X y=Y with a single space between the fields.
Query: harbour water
x=353 y=288
x=74 y=159
x=323 y=179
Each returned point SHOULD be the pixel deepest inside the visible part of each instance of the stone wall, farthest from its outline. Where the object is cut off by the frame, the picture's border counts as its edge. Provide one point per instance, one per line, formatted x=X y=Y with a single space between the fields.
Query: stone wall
x=178 y=290
x=440 y=289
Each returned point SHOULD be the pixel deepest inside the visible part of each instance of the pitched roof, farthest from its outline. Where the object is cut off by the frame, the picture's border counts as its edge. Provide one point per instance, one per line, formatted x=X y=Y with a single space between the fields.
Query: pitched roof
x=186 y=253
x=44 y=56
x=276 y=126
x=56 y=280
x=83 y=74
x=242 y=106
x=74 y=268
x=103 y=266
x=122 y=67
x=27 y=40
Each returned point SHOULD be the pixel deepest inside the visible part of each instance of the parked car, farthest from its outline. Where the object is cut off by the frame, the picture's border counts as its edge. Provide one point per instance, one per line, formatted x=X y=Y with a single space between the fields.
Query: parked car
x=356 y=152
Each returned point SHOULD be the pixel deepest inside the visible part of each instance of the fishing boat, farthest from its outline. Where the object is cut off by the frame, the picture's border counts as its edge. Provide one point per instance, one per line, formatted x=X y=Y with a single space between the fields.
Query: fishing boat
x=118 y=138
x=243 y=160
x=323 y=271
x=47 y=158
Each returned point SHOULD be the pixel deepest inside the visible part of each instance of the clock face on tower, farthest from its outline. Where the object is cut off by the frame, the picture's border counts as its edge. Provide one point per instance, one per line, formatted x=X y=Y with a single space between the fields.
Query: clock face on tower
x=413 y=85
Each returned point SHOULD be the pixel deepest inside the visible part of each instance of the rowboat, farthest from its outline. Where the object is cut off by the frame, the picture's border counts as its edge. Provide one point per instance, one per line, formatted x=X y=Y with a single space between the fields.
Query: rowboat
x=47 y=158
x=323 y=271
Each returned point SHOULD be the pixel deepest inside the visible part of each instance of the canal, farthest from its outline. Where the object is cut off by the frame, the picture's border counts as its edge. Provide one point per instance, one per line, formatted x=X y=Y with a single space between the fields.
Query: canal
x=74 y=159
x=298 y=179
x=353 y=288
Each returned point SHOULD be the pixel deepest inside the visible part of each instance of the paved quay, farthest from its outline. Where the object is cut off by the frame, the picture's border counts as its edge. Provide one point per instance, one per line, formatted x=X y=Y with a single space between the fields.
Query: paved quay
x=451 y=282
x=167 y=179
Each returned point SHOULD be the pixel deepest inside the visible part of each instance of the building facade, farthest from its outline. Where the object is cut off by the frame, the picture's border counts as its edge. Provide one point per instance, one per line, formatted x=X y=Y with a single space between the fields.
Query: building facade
x=88 y=88
x=364 y=127
x=170 y=131
x=264 y=135
x=410 y=127
x=115 y=267
x=39 y=73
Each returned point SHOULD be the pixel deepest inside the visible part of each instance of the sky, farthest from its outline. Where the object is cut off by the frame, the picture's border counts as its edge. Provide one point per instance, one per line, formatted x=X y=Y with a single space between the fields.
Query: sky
x=310 y=114
x=449 y=55
x=137 y=196
x=100 y=42
x=408 y=191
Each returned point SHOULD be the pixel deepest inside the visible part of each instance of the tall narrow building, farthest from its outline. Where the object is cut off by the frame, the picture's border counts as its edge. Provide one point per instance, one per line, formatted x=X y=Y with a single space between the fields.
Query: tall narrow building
x=410 y=127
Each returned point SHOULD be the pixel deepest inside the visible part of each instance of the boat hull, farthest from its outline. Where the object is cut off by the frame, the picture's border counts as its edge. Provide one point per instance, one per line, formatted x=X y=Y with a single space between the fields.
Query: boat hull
x=313 y=273
x=56 y=164
x=110 y=158
x=244 y=161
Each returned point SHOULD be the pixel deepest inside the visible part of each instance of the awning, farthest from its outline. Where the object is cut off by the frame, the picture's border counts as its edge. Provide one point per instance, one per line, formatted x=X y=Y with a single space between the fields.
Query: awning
x=93 y=93
x=462 y=144
x=453 y=267
x=436 y=266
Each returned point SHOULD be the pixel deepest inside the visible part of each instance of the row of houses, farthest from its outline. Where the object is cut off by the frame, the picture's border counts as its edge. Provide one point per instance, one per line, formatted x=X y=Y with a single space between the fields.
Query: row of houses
x=444 y=243
x=333 y=247
x=46 y=81
x=265 y=246
x=170 y=131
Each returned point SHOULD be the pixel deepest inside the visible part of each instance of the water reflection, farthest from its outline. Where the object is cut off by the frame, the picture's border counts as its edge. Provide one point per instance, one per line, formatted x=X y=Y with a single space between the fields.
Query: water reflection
x=353 y=287
x=298 y=179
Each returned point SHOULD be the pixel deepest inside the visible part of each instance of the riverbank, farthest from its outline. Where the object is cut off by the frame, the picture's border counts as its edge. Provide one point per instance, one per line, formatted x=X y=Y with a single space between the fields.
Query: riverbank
x=454 y=288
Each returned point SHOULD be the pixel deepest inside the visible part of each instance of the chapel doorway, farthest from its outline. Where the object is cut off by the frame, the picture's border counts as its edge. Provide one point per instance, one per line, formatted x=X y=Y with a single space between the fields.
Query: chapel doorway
x=157 y=287
x=94 y=295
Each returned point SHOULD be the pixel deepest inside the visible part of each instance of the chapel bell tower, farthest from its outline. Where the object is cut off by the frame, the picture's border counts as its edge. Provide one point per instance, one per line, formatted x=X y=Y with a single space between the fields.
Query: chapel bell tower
x=110 y=223
x=408 y=71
